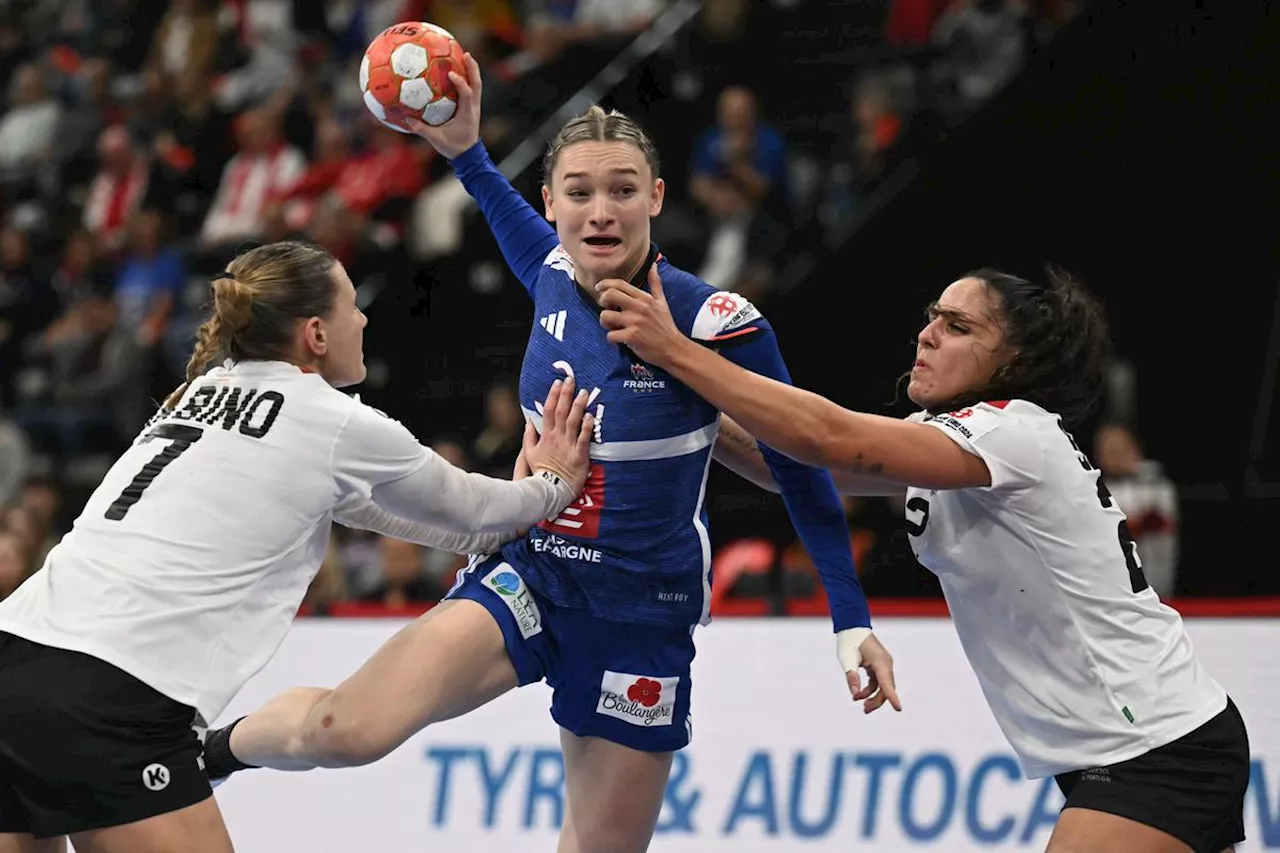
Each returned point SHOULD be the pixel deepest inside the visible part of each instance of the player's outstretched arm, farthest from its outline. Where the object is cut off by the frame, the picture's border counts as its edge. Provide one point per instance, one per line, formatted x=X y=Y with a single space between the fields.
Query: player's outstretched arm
x=367 y=515
x=439 y=495
x=523 y=235
x=795 y=422
x=738 y=450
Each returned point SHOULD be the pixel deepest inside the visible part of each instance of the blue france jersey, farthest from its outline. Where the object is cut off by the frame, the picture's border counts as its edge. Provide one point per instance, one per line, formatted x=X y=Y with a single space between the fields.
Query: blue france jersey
x=635 y=545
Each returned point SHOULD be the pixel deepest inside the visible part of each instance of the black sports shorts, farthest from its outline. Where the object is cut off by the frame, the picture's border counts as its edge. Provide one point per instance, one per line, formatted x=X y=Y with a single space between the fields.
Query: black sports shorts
x=84 y=745
x=1192 y=788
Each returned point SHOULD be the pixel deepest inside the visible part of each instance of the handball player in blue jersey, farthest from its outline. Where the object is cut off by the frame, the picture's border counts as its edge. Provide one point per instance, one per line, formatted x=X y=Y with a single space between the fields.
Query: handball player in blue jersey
x=601 y=601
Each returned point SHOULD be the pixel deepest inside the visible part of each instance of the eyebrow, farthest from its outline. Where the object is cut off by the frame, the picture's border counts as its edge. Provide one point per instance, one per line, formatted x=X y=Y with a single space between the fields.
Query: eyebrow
x=952 y=313
x=621 y=170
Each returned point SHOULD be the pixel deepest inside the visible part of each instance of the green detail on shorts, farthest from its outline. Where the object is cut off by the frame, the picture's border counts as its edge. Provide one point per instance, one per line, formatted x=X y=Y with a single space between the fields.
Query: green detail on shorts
x=1127 y=715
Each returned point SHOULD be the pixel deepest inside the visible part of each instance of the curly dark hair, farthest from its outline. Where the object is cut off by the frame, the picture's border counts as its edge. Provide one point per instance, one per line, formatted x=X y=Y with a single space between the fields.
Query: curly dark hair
x=1062 y=339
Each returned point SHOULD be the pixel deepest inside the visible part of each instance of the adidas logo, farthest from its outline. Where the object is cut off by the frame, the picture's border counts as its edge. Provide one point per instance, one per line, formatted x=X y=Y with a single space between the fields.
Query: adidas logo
x=554 y=324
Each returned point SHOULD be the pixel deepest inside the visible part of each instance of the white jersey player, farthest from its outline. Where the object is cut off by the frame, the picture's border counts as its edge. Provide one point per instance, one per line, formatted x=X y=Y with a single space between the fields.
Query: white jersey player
x=1090 y=677
x=182 y=575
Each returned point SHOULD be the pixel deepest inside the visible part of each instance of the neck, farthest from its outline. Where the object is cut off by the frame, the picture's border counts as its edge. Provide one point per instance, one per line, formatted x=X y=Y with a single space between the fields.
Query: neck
x=588 y=280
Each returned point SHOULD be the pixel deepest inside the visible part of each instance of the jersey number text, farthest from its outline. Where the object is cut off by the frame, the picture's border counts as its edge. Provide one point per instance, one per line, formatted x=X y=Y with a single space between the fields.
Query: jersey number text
x=180 y=437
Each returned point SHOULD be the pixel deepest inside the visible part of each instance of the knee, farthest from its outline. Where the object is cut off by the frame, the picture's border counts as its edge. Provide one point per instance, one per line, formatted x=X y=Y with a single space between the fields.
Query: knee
x=335 y=737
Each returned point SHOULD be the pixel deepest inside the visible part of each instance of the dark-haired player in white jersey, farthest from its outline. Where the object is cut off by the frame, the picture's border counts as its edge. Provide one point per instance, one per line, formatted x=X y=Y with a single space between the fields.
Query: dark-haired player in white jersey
x=1090 y=677
x=183 y=573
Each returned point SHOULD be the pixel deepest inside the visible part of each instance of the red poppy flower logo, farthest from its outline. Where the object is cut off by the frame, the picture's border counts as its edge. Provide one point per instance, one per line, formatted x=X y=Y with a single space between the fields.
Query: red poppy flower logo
x=645 y=691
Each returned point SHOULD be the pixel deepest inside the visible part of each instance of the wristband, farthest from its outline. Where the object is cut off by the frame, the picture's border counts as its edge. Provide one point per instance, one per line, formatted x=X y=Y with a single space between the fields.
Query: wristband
x=849 y=647
x=550 y=476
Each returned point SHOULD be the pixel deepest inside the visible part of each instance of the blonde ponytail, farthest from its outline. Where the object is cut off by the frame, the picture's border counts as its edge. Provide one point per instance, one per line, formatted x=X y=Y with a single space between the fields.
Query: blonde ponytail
x=232 y=313
x=256 y=304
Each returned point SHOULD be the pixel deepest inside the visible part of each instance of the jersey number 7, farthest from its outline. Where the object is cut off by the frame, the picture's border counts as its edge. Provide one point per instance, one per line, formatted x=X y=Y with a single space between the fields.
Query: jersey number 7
x=181 y=437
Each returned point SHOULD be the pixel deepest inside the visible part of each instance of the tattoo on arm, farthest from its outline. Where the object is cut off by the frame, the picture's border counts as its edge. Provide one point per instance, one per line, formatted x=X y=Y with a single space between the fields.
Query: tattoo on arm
x=861 y=465
x=740 y=437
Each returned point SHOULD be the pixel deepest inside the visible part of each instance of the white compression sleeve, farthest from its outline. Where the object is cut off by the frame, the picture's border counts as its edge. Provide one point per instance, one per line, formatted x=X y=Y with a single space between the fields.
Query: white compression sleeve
x=369 y=516
x=440 y=495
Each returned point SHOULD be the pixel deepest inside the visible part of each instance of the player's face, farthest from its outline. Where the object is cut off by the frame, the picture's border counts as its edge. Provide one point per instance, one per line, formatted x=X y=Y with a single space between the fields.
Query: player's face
x=960 y=347
x=600 y=198
x=344 y=334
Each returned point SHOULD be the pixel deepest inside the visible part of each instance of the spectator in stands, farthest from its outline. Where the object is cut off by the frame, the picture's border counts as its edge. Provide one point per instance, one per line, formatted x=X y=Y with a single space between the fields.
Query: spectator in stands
x=264 y=166
x=557 y=25
x=737 y=165
x=269 y=40
x=442 y=566
x=152 y=277
x=40 y=498
x=1149 y=500
x=15 y=456
x=984 y=44
x=27 y=130
x=83 y=317
x=185 y=40
x=20 y=523
x=910 y=23
x=123 y=184
x=295 y=204
x=97 y=384
x=192 y=146
x=361 y=562
x=13 y=563
x=90 y=110
x=329 y=586
x=498 y=444
x=26 y=304
x=15 y=50
x=404 y=583
x=870 y=150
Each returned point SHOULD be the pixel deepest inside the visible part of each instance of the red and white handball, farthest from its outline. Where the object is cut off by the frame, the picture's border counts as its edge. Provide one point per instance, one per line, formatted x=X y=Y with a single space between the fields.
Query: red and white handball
x=405 y=73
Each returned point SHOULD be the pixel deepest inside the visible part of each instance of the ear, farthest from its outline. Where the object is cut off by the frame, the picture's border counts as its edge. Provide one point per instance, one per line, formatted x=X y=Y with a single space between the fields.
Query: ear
x=314 y=340
x=656 y=197
x=547 y=204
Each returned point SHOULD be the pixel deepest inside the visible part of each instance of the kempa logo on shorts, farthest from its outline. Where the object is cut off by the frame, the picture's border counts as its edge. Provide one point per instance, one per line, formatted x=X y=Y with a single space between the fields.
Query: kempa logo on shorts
x=641 y=700
x=155 y=777
x=511 y=588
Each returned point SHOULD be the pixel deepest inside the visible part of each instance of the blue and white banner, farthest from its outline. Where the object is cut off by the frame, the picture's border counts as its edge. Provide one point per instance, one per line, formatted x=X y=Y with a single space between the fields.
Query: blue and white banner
x=781 y=759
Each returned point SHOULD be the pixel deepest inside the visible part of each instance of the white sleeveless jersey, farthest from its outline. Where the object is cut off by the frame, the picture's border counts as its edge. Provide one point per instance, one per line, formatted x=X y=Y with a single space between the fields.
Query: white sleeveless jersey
x=190 y=560
x=1080 y=662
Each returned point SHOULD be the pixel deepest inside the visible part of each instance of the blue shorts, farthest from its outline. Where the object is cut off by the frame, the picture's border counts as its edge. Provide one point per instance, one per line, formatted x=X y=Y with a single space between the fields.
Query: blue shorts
x=623 y=682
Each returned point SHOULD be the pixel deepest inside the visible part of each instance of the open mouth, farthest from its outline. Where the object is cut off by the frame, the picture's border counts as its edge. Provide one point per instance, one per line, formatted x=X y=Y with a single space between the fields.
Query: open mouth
x=603 y=242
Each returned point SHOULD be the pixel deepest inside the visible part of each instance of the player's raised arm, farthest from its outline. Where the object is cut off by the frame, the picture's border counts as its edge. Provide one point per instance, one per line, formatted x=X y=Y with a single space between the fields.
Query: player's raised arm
x=522 y=233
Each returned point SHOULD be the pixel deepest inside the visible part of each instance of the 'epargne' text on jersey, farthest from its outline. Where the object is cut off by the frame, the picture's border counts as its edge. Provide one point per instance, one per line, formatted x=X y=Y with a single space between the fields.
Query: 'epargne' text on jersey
x=1081 y=663
x=635 y=546
x=190 y=560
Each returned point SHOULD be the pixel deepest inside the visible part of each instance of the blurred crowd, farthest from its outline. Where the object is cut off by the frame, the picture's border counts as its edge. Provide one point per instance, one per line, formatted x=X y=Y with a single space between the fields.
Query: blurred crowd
x=143 y=141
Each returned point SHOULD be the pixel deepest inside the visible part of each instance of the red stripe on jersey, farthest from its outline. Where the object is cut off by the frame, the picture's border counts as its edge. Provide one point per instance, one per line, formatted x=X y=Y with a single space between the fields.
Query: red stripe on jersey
x=999 y=404
x=736 y=334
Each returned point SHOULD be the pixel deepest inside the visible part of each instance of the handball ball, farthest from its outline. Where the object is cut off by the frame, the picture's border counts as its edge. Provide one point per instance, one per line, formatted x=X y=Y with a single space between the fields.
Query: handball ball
x=405 y=73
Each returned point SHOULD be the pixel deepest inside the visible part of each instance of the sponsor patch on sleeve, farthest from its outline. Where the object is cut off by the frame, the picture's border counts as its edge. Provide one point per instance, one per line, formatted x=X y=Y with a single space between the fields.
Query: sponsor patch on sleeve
x=970 y=423
x=724 y=316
